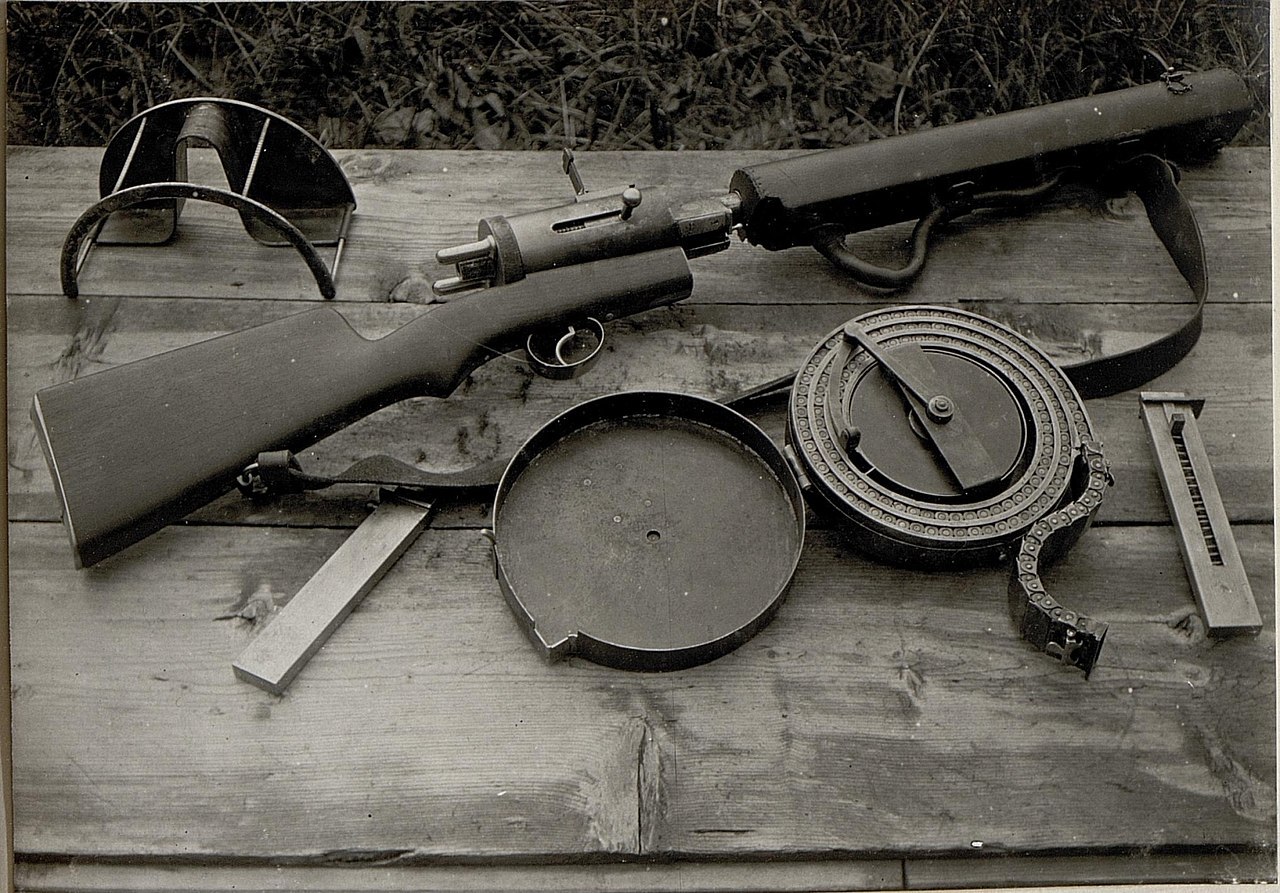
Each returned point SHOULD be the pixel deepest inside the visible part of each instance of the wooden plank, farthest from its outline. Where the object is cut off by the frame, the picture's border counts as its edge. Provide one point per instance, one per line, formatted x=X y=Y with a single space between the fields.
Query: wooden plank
x=688 y=877
x=1140 y=868
x=6 y=718
x=412 y=203
x=883 y=713
x=279 y=652
x=714 y=351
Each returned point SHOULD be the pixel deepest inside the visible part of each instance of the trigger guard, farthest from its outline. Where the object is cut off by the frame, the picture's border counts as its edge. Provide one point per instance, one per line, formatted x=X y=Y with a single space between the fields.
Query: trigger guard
x=546 y=358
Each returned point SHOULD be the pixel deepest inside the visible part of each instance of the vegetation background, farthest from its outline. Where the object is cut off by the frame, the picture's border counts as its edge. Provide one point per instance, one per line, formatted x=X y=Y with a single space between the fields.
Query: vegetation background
x=608 y=74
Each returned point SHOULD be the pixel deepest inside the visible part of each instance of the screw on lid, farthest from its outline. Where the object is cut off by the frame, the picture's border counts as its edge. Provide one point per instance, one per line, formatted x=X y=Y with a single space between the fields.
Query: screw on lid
x=647 y=530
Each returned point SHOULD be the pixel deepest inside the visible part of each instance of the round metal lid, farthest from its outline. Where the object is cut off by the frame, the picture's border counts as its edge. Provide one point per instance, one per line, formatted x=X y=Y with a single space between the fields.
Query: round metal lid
x=647 y=531
x=895 y=448
x=941 y=435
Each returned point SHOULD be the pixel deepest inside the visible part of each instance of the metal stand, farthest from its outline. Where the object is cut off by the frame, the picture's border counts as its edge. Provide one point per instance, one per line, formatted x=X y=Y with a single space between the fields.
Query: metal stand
x=285 y=185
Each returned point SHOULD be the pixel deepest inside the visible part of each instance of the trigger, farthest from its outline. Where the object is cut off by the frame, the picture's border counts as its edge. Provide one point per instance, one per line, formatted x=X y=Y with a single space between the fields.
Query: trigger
x=566 y=351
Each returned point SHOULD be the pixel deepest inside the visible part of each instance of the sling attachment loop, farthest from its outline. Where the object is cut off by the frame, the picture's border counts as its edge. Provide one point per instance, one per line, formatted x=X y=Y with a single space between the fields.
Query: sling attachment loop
x=273 y=473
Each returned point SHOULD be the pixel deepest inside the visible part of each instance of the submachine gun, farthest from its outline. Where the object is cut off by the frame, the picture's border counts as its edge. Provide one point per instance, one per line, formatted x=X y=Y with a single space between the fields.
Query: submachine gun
x=137 y=447
x=1129 y=140
x=817 y=199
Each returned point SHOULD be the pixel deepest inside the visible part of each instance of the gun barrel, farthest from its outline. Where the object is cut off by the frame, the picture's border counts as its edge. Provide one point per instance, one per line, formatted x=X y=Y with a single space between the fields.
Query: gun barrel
x=900 y=178
x=139 y=446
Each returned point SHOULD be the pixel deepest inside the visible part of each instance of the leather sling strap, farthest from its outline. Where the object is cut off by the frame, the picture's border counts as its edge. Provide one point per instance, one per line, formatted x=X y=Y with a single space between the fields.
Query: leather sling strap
x=1155 y=181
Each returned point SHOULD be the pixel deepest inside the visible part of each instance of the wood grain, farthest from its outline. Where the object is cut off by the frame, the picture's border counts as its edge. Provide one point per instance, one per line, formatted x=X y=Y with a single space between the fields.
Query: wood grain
x=884 y=712
x=141 y=445
x=1076 y=871
x=282 y=648
x=414 y=203
x=688 y=877
x=882 y=724
x=713 y=351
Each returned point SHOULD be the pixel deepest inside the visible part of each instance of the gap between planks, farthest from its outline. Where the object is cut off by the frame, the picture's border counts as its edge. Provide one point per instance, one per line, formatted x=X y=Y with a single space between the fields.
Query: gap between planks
x=885 y=874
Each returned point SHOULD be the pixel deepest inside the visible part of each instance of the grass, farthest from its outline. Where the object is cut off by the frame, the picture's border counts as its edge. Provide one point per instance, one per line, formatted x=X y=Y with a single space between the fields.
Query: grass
x=698 y=74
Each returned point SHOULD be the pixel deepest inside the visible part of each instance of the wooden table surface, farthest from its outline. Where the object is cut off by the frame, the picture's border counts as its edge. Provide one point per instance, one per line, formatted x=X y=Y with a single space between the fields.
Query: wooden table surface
x=888 y=729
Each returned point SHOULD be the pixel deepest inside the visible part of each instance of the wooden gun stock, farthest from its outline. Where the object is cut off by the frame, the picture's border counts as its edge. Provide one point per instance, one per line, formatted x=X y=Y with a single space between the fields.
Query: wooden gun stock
x=137 y=447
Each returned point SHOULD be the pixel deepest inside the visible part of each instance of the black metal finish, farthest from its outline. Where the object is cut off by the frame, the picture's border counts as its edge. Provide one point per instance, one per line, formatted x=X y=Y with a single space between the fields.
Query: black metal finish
x=817 y=199
x=567 y=351
x=868 y=446
x=1072 y=638
x=881 y=182
x=647 y=531
x=285 y=185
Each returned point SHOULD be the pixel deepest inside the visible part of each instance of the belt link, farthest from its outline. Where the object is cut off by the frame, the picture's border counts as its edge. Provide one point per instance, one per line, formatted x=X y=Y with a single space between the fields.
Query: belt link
x=1073 y=638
